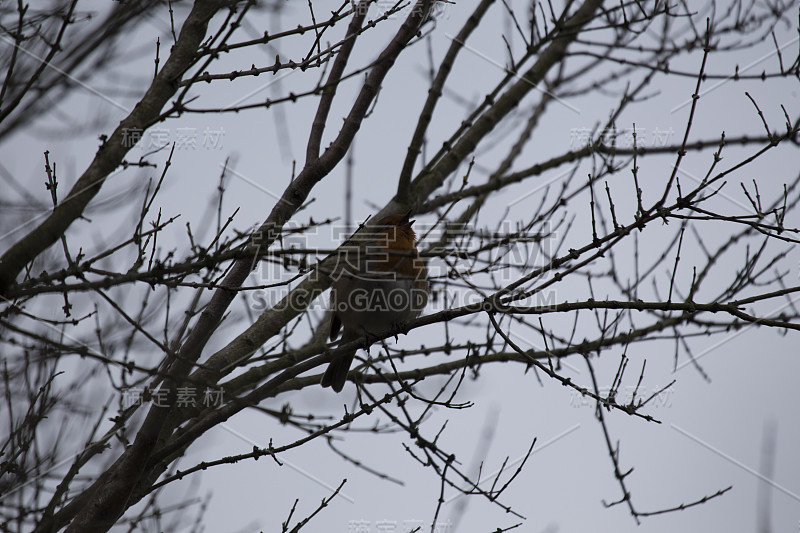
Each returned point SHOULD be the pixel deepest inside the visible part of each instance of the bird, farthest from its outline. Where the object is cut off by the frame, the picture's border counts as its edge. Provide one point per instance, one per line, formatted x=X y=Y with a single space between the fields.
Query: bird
x=379 y=282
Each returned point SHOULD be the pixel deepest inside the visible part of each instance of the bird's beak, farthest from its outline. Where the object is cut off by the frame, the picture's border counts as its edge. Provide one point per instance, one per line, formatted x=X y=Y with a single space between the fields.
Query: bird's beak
x=405 y=220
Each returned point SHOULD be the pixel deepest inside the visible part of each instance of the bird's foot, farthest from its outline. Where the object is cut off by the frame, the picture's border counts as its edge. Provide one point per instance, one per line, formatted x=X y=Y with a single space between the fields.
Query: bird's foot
x=398 y=328
x=367 y=342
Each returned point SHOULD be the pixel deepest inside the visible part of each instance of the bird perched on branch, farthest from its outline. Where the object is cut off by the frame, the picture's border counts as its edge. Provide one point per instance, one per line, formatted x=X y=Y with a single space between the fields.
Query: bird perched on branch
x=380 y=281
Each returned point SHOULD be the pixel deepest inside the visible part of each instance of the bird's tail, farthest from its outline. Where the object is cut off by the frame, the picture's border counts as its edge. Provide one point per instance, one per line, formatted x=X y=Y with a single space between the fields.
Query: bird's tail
x=335 y=375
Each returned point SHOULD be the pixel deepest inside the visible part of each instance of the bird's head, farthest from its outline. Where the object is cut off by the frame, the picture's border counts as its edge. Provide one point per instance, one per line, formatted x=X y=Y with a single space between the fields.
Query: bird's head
x=398 y=230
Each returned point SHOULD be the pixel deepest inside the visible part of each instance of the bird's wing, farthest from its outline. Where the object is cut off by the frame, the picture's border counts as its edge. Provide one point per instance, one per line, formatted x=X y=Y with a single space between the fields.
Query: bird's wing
x=336 y=325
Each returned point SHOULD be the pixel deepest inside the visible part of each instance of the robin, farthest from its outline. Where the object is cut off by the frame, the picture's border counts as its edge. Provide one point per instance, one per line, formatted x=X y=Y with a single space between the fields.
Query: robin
x=380 y=282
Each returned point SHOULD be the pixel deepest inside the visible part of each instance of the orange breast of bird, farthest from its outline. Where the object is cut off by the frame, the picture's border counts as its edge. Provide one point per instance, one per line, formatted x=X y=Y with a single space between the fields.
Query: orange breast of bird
x=400 y=254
